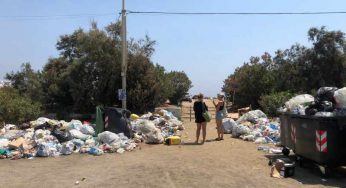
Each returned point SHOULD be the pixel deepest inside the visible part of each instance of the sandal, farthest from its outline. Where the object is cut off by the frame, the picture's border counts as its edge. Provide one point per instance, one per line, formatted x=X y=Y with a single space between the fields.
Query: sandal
x=217 y=139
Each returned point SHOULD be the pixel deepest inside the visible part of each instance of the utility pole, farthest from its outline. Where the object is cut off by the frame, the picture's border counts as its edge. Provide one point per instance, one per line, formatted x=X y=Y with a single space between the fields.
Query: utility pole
x=124 y=54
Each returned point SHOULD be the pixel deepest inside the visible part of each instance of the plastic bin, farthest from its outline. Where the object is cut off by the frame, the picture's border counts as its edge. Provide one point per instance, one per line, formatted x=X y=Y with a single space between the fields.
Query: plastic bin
x=287 y=133
x=113 y=119
x=320 y=139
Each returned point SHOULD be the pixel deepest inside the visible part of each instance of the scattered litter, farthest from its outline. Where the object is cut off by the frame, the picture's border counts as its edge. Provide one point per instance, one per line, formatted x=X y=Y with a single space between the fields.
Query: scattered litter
x=275 y=151
x=282 y=168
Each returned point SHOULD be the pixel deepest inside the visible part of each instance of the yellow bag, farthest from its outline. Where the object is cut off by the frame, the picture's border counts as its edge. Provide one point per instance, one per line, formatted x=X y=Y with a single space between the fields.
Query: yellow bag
x=173 y=140
x=134 y=117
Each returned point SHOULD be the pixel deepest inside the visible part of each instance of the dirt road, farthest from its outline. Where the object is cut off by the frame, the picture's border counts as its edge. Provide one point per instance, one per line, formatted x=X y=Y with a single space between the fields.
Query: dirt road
x=228 y=163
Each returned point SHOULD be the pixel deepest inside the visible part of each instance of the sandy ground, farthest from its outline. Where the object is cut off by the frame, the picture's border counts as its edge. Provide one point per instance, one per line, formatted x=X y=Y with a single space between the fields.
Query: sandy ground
x=228 y=163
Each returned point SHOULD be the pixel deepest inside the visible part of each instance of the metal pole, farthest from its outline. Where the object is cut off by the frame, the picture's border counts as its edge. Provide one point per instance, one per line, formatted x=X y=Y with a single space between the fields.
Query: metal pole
x=190 y=113
x=124 y=53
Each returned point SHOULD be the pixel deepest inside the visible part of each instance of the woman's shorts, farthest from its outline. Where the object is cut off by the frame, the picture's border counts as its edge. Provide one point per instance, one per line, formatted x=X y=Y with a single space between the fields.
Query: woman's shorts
x=220 y=115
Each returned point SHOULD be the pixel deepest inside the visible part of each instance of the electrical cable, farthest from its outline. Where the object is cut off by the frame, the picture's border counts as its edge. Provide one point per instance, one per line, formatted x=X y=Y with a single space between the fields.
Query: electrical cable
x=235 y=13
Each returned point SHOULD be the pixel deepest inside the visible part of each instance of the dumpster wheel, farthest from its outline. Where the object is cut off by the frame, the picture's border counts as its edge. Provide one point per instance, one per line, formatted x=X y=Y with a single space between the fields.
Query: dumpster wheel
x=285 y=151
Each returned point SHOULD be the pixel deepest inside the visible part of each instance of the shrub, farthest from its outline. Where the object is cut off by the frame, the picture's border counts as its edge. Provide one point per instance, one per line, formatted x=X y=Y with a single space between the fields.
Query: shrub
x=270 y=103
x=15 y=108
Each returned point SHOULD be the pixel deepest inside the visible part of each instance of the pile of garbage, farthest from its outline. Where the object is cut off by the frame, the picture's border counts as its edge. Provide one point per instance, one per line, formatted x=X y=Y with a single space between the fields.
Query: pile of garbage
x=328 y=102
x=154 y=128
x=49 y=138
x=254 y=126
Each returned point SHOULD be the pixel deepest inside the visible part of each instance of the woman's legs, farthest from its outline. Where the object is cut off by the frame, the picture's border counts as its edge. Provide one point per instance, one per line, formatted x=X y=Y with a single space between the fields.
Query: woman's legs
x=198 y=132
x=204 y=129
x=220 y=130
x=217 y=129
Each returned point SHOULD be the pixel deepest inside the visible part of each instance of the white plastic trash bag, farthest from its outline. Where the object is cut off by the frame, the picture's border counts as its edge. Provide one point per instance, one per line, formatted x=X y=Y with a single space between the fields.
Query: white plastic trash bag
x=146 y=126
x=10 y=127
x=252 y=116
x=108 y=137
x=228 y=124
x=77 y=134
x=67 y=148
x=299 y=101
x=75 y=124
x=87 y=129
x=154 y=137
x=120 y=150
x=175 y=123
x=261 y=140
x=4 y=143
x=249 y=138
x=39 y=121
x=13 y=134
x=243 y=130
x=90 y=142
x=340 y=97
x=239 y=130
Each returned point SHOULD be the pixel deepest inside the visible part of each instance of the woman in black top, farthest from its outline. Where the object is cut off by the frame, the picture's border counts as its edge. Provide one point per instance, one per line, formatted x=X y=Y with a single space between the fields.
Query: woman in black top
x=220 y=105
x=199 y=107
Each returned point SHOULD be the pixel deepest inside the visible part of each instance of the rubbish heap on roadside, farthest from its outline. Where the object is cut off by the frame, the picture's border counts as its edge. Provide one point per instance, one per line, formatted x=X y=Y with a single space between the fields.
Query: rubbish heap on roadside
x=254 y=126
x=50 y=138
x=155 y=128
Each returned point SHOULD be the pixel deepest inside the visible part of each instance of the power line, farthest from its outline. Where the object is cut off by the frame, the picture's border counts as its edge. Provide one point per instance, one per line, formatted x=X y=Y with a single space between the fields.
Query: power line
x=74 y=16
x=51 y=17
x=235 y=13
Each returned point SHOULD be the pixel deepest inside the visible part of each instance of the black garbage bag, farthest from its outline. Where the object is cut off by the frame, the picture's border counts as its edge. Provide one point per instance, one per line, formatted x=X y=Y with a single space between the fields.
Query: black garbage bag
x=322 y=106
x=310 y=111
x=24 y=126
x=326 y=106
x=62 y=136
x=326 y=94
x=43 y=126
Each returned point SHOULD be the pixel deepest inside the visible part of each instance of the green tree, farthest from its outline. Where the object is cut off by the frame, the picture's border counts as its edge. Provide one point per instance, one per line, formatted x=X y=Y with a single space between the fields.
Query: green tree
x=180 y=84
x=88 y=72
x=250 y=81
x=28 y=82
x=327 y=62
x=146 y=82
x=296 y=70
x=92 y=76
x=55 y=85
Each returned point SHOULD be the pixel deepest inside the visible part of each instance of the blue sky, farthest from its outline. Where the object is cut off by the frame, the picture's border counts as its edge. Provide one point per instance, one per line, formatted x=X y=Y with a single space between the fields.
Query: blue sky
x=207 y=48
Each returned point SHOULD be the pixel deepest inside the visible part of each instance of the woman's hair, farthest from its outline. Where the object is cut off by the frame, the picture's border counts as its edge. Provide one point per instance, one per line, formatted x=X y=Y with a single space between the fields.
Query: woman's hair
x=200 y=96
x=220 y=96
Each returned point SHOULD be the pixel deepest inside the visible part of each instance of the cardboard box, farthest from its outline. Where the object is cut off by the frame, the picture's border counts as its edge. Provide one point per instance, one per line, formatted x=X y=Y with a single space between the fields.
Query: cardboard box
x=16 y=143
